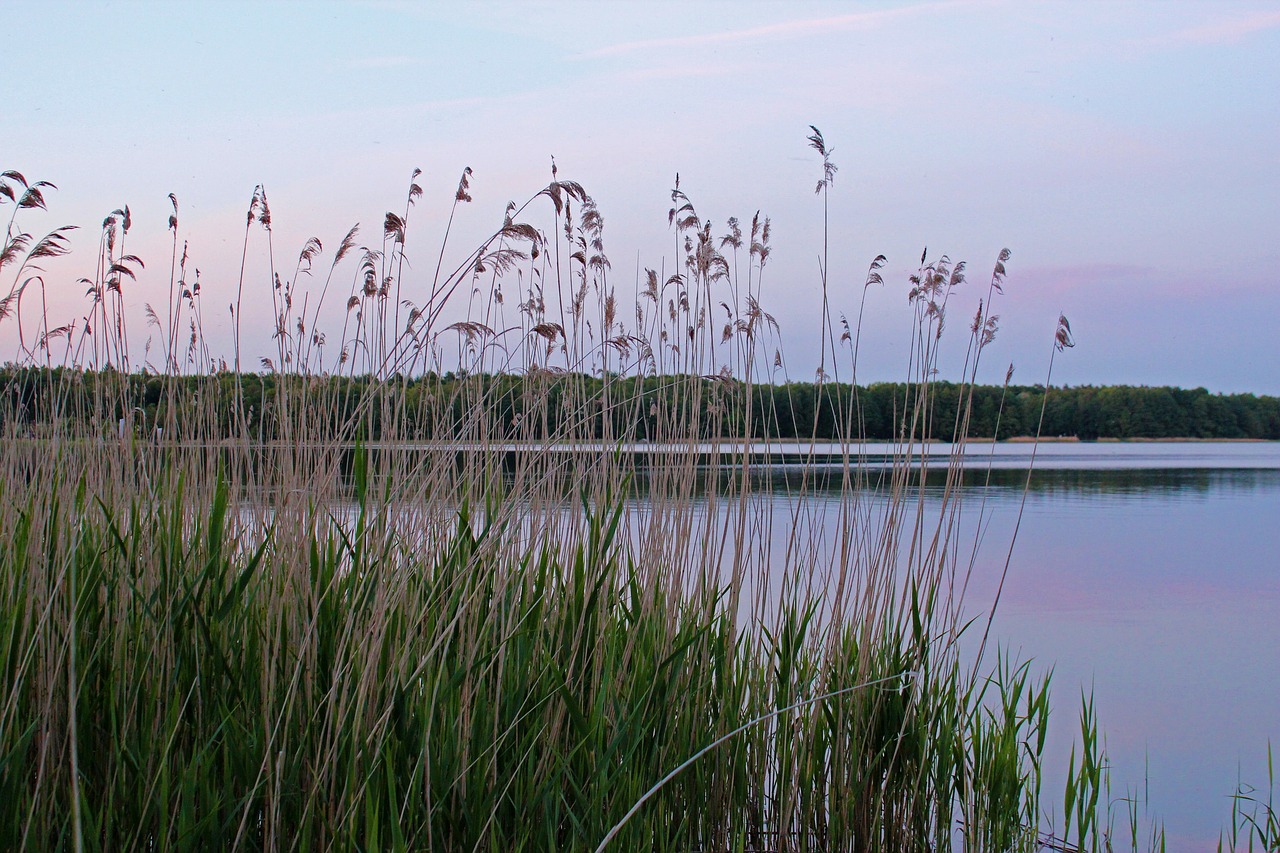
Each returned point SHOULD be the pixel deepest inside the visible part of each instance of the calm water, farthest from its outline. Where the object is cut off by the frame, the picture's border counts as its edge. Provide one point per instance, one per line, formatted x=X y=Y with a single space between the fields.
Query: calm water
x=1100 y=455
x=1149 y=575
x=1146 y=574
x=1158 y=587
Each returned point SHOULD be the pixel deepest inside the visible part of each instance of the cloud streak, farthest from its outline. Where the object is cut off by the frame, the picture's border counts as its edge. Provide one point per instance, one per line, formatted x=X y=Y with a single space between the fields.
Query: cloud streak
x=379 y=62
x=1228 y=31
x=778 y=31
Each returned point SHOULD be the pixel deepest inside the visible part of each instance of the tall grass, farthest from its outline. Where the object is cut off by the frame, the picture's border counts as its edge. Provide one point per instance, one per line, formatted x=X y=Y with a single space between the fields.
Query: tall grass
x=370 y=614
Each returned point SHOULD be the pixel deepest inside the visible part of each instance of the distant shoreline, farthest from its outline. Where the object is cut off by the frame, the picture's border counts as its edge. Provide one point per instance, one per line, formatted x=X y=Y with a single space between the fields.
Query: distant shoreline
x=1071 y=439
x=1056 y=439
x=1065 y=439
x=793 y=412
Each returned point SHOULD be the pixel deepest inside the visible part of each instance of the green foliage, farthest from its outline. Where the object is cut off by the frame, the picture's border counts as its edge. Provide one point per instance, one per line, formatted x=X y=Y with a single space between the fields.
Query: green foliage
x=368 y=690
x=535 y=407
x=362 y=601
x=1255 y=815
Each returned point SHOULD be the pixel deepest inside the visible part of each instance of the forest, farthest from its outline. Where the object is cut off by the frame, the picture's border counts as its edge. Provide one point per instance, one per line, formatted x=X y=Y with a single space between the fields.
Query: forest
x=617 y=405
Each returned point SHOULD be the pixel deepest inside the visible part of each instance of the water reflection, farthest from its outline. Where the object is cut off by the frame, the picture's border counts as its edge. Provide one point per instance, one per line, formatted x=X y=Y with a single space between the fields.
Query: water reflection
x=1156 y=589
x=1080 y=482
x=1144 y=574
x=1144 y=483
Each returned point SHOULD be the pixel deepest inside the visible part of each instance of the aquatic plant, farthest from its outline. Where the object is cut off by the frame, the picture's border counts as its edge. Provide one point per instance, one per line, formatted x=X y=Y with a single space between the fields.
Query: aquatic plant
x=341 y=604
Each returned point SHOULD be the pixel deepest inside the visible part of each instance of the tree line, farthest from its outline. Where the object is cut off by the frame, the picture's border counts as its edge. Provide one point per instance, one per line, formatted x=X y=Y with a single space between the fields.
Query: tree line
x=544 y=404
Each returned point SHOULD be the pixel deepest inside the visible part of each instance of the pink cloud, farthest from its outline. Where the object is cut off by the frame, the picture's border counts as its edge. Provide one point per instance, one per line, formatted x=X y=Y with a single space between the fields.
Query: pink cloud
x=1140 y=281
x=1229 y=31
x=380 y=62
x=779 y=30
x=1065 y=277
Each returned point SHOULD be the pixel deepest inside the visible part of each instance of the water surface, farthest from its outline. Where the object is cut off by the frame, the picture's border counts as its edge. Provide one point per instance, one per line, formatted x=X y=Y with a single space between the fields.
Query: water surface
x=1148 y=575
x=1158 y=589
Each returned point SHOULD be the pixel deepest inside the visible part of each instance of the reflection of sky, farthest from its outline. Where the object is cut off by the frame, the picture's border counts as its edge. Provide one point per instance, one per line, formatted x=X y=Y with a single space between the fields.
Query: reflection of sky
x=1186 y=537
x=1100 y=469
x=1158 y=590
x=1164 y=599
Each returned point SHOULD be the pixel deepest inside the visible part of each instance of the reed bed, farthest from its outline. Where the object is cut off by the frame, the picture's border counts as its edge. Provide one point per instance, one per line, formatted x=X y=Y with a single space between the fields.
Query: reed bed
x=418 y=590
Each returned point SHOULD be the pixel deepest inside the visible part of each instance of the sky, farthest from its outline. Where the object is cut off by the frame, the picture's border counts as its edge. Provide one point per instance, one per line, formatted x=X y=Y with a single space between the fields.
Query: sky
x=1128 y=154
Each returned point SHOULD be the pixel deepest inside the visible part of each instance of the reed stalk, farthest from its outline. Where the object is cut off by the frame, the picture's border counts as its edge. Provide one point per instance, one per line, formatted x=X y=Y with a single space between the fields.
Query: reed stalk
x=552 y=598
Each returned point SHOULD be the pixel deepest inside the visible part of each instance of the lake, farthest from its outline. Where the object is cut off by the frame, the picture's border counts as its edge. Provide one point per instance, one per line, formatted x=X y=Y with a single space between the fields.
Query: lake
x=1146 y=574
x=1149 y=575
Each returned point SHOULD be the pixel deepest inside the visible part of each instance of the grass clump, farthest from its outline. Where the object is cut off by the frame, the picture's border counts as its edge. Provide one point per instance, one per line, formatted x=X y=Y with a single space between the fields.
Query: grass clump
x=339 y=604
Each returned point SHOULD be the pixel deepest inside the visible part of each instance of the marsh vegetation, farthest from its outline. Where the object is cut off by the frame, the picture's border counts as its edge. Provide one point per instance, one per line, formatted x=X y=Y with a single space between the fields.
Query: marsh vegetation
x=221 y=634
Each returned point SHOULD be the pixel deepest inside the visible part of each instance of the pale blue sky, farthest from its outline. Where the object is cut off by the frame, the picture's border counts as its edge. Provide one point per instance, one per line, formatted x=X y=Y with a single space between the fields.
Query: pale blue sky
x=1128 y=154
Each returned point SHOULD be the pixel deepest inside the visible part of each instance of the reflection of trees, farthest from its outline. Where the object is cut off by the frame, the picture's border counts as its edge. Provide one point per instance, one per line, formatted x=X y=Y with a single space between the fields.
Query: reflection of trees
x=1125 y=481
x=1010 y=482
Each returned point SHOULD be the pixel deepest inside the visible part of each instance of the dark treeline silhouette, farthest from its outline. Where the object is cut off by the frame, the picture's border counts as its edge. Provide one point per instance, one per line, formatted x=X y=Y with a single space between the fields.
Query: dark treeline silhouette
x=431 y=405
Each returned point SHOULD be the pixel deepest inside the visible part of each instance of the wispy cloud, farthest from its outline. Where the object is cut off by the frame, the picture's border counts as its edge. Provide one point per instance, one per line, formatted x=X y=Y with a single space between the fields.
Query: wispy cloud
x=1229 y=31
x=680 y=72
x=776 y=31
x=1130 y=285
x=379 y=62
x=1060 y=279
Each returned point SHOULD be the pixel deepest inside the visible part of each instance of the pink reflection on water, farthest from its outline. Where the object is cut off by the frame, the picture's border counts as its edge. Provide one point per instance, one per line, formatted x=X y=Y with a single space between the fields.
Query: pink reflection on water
x=1162 y=603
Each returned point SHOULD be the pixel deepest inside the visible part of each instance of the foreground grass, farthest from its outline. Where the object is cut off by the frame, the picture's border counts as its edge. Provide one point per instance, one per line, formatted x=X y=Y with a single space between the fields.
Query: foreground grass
x=236 y=635
x=183 y=672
